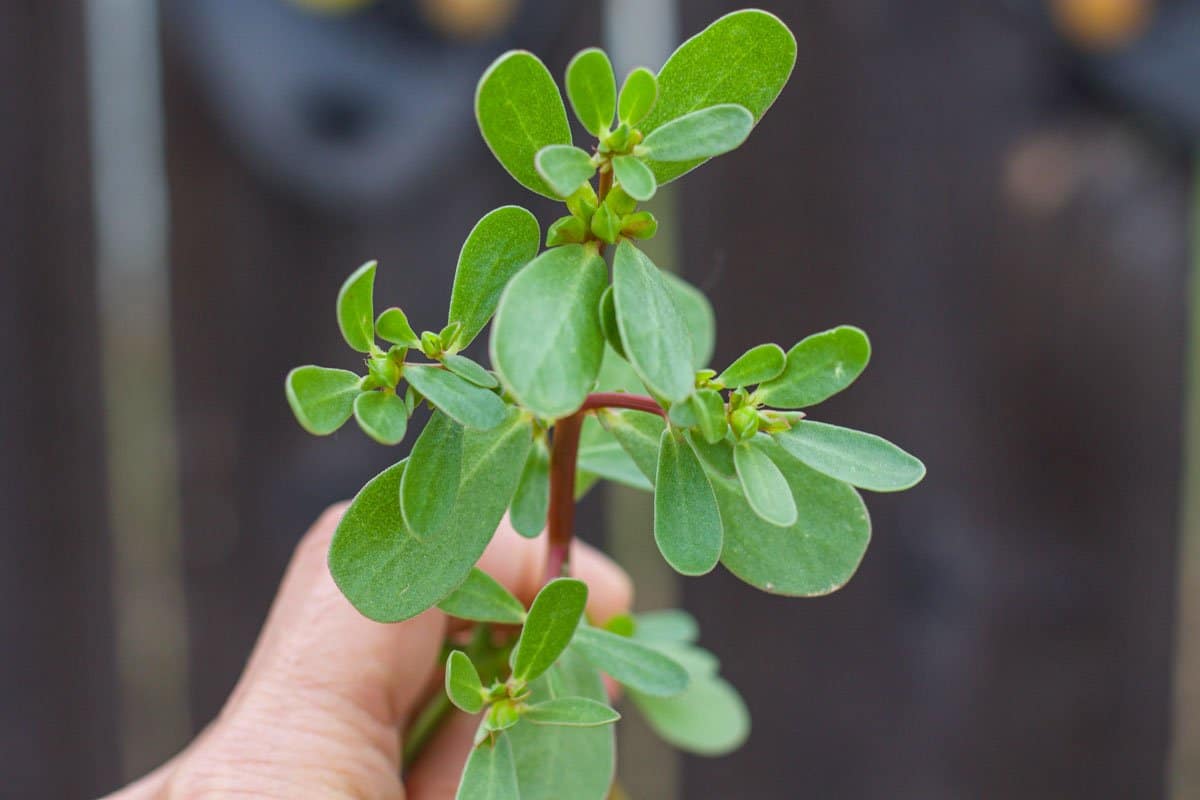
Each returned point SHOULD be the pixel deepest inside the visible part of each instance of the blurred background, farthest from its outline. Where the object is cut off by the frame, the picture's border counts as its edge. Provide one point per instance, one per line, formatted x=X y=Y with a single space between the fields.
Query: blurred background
x=998 y=191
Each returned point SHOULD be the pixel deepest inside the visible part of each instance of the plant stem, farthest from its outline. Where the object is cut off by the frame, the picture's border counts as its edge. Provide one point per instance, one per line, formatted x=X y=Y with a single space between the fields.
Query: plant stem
x=564 y=452
x=429 y=720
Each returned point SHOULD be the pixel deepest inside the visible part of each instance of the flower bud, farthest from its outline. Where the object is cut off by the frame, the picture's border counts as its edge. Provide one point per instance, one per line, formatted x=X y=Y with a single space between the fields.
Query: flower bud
x=583 y=202
x=431 y=344
x=566 y=230
x=620 y=201
x=744 y=422
x=384 y=370
x=619 y=140
x=640 y=225
x=606 y=225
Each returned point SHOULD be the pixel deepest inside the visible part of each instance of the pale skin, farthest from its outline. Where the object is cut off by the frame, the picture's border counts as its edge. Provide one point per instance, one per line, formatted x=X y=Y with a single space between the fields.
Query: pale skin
x=321 y=708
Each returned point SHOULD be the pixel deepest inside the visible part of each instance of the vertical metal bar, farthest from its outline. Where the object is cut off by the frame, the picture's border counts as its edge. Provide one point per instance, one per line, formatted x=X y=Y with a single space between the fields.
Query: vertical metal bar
x=132 y=277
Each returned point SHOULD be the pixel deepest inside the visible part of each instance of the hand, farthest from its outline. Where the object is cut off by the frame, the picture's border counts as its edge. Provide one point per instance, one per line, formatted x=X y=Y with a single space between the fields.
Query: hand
x=321 y=708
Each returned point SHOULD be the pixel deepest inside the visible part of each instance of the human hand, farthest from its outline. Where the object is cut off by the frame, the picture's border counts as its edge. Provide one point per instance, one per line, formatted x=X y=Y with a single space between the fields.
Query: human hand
x=322 y=706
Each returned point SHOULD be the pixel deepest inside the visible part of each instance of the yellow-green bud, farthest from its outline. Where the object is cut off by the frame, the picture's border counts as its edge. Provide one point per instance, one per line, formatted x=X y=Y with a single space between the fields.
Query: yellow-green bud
x=744 y=422
x=606 y=225
x=431 y=344
x=620 y=201
x=640 y=225
x=583 y=202
x=384 y=370
x=566 y=230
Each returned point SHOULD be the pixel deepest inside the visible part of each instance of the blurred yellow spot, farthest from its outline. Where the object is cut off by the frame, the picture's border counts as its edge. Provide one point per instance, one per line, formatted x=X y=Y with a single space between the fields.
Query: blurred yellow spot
x=1101 y=24
x=468 y=19
x=333 y=6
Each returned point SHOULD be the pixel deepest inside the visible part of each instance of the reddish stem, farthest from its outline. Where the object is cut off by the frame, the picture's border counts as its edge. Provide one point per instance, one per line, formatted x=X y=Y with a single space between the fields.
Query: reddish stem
x=564 y=451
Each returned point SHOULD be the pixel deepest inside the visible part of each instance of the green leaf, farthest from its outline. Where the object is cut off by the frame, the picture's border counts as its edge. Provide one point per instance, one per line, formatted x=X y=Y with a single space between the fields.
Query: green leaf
x=638 y=434
x=355 y=308
x=491 y=773
x=860 y=459
x=709 y=409
x=546 y=341
x=635 y=177
x=470 y=371
x=465 y=403
x=530 y=503
x=592 y=90
x=601 y=455
x=814 y=556
x=553 y=762
x=630 y=662
x=687 y=522
x=763 y=484
x=392 y=326
x=756 y=365
x=431 y=481
x=549 y=626
x=520 y=111
x=743 y=58
x=481 y=598
x=699 y=135
x=638 y=94
x=655 y=334
x=606 y=224
x=708 y=719
x=699 y=316
x=382 y=416
x=322 y=399
x=571 y=712
x=564 y=168
x=505 y=240
x=463 y=686
x=817 y=368
x=667 y=625
x=608 y=322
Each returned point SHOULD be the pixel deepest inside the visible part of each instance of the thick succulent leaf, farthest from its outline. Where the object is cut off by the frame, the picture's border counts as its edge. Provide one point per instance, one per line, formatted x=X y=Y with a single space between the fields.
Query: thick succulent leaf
x=634 y=177
x=549 y=626
x=462 y=401
x=608 y=322
x=490 y=773
x=818 y=367
x=463 y=686
x=481 y=598
x=698 y=313
x=505 y=240
x=814 y=556
x=322 y=399
x=638 y=94
x=630 y=662
x=390 y=574
x=743 y=58
x=564 y=168
x=571 y=712
x=687 y=522
x=860 y=459
x=382 y=416
x=554 y=763
x=699 y=135
x=638 y=434
x=762 y=482
x=430 y=485
x=756 y=365
x=666 y=625
x=546 y=341
x=592 y=90
x=355 y=308
x=530 y=503
x=393 y=326
x=709 y=409
x=708 y=719
x=470 y=370
x=657 y=341
x=520 y=111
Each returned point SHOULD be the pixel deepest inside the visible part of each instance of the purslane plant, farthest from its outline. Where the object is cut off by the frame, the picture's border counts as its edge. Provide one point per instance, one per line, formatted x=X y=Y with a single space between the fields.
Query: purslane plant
x=599 y=369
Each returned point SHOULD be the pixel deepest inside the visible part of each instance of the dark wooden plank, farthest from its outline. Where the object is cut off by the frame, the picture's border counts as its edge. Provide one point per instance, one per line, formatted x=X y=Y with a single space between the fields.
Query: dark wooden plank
x=58 y=728
x=1019 y=261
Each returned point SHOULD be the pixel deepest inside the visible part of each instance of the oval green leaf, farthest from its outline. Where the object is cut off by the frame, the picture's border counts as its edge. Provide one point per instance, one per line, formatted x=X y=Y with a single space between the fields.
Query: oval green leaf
x=481 y=598
x=743 y=58
x=549 y=626
x=656 y=336
x=755 y=366
x=699 y=135
x=709 y=409
x=608 y=322
x=322 y=399
x=638 y=94
x=505 y=240
x=431 y=481
x=490 y=773
x=860 y=459
x=393 y=326
x=564 y=168
x=464 y=402
x=571 y=712
x=687 y=522
x=520 y=111
x=592 y=90
x=355 y=308
x=635 y=177
x=709 y=719
x=470 y=371
x=546 y=342
x=530 y=503
x=698 y=314
x=763 y=484
x=818 y=367
x=382 y=416
x=463 y=686
x=630 y=662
